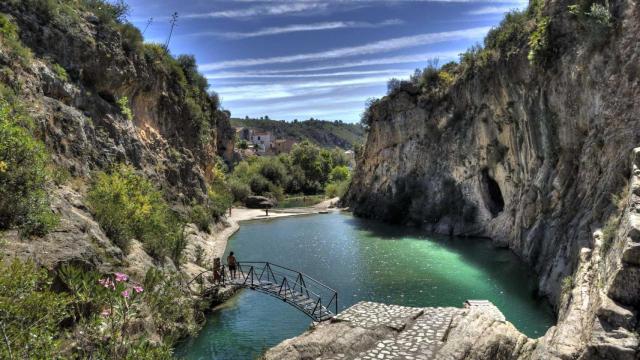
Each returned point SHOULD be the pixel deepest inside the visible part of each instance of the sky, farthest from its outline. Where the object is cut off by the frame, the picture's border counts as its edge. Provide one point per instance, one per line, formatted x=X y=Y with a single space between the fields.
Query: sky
x=323 y=59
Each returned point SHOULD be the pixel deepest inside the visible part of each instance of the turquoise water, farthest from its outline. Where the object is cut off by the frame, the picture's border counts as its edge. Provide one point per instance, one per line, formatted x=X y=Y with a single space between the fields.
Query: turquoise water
x=363 y=260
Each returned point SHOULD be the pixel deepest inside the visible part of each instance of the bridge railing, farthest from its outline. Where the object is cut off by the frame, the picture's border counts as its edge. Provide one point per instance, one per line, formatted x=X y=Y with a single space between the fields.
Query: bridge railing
x=287 y=284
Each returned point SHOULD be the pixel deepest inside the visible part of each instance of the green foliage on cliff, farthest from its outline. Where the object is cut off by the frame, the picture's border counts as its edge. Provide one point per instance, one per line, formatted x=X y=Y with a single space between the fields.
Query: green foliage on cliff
x=566 y=286
x=125 y=109
x=23 y=174
x=10 y=40
x=128 y=206
x=510 y=36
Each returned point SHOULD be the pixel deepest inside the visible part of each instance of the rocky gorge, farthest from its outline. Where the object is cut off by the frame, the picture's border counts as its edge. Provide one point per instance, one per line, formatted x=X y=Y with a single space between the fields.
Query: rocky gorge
x=530 y=141
x=533 y=148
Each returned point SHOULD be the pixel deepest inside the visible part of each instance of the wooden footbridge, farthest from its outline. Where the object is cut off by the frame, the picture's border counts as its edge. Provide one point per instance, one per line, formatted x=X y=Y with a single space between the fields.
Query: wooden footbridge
x=308 y=295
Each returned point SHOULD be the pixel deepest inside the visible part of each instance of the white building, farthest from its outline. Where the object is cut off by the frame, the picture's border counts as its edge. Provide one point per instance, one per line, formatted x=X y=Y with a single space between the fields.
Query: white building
x=262 y=139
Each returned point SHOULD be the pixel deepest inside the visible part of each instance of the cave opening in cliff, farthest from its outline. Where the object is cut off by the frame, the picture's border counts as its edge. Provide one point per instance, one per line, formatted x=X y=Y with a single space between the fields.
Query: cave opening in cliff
x=493 y=194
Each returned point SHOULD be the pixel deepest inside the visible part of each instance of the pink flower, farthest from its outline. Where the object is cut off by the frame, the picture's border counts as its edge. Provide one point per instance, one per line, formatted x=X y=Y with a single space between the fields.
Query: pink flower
x=106 y=312
x=125 y=294
x=107 y=283
x=138 y=289
x=121 y=277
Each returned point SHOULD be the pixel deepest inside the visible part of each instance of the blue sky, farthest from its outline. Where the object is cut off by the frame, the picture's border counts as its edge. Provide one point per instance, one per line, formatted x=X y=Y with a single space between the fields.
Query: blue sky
x=321 y=59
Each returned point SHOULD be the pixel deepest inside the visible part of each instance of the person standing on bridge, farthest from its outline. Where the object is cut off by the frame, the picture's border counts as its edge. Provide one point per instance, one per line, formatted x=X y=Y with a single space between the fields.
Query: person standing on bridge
x=217 y=271
x=233 y=265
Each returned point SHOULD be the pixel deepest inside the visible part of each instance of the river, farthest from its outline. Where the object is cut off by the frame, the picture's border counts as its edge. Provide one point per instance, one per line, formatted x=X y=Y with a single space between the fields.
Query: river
x=364 y=260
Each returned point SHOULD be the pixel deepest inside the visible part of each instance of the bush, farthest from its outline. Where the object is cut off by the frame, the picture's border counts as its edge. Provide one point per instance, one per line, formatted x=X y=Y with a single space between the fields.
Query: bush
x=259 y=184
x=510 y=36
x=23 y=175
x=337 y=189
x=200 y=216
x=10 y=40
x=132 y=39
x=339 y=173
x=30 y=313
x=219 y=200
x=127 y=205
x=239 y=190
x=60 y=72
x=125 y=109
x=539 y=42
x=274 y=171
x=566 y=285
x=108 y=11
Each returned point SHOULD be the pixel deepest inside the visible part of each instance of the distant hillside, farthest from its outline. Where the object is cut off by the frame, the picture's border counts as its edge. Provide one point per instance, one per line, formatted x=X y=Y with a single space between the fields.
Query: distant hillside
x=321 y=132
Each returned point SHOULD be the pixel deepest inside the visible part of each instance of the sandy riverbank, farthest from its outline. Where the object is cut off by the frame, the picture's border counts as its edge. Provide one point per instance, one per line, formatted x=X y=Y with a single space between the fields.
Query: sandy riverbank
x=239 y=214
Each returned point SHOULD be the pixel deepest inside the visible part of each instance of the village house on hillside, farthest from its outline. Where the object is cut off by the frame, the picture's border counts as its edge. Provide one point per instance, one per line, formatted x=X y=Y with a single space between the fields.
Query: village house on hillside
x=264 y=142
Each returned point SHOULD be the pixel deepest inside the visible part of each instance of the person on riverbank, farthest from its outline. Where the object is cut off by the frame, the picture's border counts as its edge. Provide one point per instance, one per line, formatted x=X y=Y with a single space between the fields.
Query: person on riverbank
x=217 y=271
x=233 y=264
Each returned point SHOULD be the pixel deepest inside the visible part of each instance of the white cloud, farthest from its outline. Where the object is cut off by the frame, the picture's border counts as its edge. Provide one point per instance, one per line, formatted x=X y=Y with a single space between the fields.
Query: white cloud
x=239 y=75
x=293 y=89
x=417 y=58
x=493 y=10
x=367 y=49
x=300 y=28
x=262 y=10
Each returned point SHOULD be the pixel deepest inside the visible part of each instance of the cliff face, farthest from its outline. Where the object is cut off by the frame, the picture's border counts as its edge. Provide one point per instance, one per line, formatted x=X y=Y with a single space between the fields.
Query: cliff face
x=528 y=155
x=176 y=132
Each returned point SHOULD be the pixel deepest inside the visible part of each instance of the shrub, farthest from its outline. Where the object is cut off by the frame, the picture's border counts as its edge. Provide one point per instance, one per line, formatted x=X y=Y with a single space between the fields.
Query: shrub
x=108 y=11
x=337 y=189
x=10 y=39
x=125 y=109
x=274 y=171
x=30 y=313
x=127 y=205
x=566 y=285
x=132 y=39
x=539 y=42
x=339 y=173
x=219 y=200
x=200 y=216
x=510 y=36
x=239 y=190
x=60 y=72
x=23 y=175
x=259 y=184
x=174 y=314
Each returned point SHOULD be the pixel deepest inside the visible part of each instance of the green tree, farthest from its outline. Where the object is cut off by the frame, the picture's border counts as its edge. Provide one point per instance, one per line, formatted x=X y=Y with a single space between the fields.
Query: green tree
x=339 y=173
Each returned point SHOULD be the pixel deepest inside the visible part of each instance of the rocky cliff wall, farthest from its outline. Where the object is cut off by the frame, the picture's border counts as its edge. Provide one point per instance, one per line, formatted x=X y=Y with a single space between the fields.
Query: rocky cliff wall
x=534 y=156
x=177 y=130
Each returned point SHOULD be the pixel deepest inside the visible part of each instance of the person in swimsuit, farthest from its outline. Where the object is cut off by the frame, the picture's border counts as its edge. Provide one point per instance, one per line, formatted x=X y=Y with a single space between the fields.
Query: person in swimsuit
x=233 y=265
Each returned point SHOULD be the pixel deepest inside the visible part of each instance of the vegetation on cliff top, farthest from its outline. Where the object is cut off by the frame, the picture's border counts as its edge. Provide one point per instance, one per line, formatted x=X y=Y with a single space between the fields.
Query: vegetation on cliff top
x=520 y=32
x=320 y=132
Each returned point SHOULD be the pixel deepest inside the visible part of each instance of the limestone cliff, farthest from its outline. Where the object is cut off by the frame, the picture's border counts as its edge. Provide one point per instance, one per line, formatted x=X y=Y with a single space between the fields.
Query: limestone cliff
x=527 y=153
x=176 y=131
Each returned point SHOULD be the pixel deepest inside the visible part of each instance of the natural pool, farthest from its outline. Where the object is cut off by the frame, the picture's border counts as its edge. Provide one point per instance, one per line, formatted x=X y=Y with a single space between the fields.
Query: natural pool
x=363 y=260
